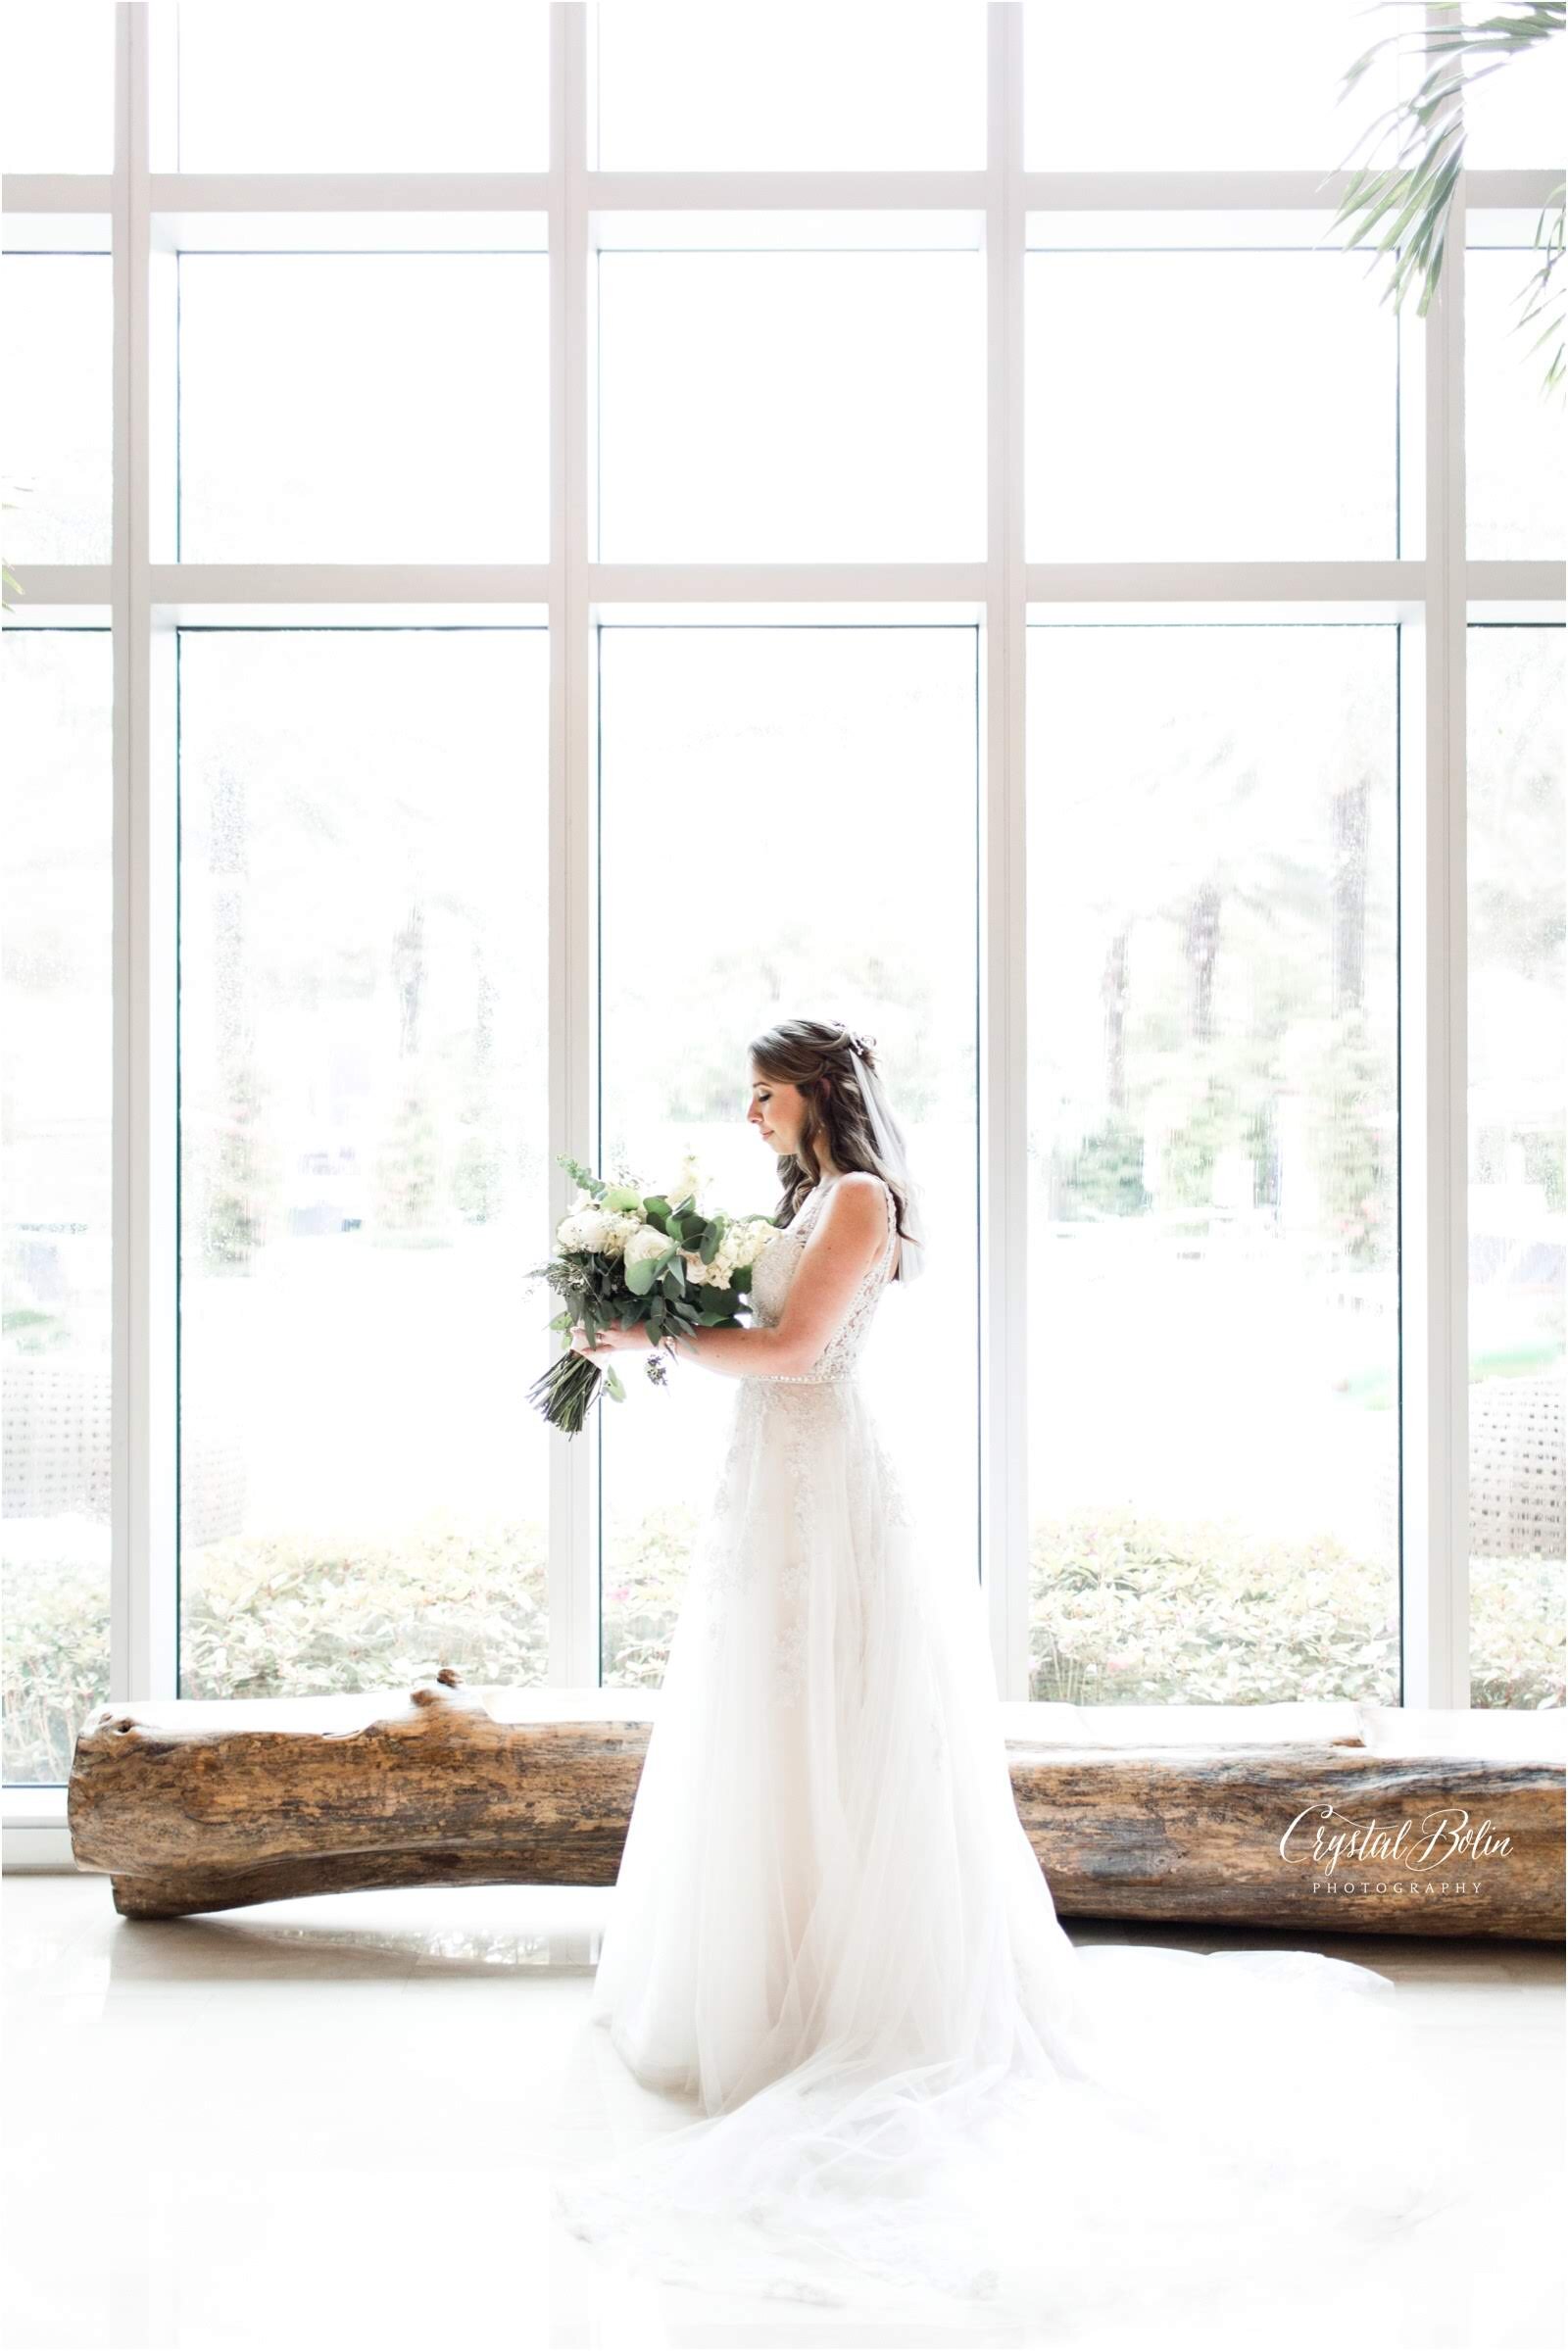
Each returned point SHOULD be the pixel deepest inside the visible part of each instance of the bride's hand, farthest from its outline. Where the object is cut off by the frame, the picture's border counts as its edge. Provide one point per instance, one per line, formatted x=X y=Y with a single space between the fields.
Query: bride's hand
x=609 y=1342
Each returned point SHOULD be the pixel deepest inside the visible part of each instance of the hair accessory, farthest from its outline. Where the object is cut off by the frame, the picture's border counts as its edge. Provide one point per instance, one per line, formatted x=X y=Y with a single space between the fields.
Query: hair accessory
x=857 y=1040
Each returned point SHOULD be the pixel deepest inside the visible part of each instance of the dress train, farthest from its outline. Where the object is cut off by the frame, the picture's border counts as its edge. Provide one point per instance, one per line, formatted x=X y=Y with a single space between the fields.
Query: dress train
x=833 y=1945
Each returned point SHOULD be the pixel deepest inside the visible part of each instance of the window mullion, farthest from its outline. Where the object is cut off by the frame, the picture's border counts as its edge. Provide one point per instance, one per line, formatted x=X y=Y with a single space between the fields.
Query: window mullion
x=144 y=1604
x=1435 y=1303
x=1001 y=1056
x=574 y=1011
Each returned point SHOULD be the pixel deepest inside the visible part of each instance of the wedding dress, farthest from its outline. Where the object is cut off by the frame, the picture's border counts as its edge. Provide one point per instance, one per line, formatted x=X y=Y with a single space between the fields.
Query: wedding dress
x=831 y=1934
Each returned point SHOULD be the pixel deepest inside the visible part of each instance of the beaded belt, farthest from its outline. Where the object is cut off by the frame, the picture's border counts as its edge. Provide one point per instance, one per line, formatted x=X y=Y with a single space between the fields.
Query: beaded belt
x=796 y=1379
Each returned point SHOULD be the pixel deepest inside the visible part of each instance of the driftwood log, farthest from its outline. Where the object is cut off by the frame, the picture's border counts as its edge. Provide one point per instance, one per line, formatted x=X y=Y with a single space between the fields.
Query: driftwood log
x=1314 y=1819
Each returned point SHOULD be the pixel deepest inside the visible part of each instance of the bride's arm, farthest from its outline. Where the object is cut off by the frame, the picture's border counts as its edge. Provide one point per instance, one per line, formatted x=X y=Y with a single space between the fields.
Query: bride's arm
x=841 y=1248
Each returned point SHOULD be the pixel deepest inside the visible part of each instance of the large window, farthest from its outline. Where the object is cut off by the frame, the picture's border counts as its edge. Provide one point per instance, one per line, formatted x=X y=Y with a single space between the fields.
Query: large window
x=820 y=384
x=58 y=349
x=362 y=914
x=1214 y=1440
x=1516 y=1012
x=57 y=1097
x=1269 y=431
x=1516 y=467
x=1518 y=1114
x=465 y=89
x=363 y=407
x=801 y=749
x=710 y=87
x=57 y=89
x=551 y=538
x=1230 y=85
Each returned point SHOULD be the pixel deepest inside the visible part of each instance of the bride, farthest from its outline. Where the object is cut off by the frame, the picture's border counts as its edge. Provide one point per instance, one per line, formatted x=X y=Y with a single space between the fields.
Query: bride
x=831 y=1934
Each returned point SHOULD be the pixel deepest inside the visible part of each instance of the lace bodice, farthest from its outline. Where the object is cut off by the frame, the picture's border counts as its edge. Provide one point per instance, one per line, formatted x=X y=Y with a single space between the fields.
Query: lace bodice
x=775 y=1271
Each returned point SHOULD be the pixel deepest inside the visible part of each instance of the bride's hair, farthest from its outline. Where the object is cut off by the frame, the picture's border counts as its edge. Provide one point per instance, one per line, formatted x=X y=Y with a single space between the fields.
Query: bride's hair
x=834 y=1069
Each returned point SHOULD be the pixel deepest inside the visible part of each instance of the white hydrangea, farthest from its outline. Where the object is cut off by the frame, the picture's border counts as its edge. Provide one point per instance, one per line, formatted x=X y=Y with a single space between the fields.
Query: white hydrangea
x=758 y=1232
x=619 y=1230
x=741 y=1244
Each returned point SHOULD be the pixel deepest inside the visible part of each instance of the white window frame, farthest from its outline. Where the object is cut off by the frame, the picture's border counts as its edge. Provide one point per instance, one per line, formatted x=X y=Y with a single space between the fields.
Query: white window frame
x=142 y=214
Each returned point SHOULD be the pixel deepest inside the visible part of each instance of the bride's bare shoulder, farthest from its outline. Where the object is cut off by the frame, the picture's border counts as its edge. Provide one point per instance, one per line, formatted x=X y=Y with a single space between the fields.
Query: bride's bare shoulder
x=860 y=1185
x=855 y=1209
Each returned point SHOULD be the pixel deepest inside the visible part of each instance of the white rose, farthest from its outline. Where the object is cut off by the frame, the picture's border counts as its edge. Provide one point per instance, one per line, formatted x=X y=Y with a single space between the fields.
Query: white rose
x=643 y=1243
x=586 y=1229
x=598 y=1224
x=619 y=1232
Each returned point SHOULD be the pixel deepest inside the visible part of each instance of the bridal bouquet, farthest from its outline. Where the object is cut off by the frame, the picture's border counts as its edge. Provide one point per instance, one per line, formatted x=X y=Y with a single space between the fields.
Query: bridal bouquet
x=624 y=1256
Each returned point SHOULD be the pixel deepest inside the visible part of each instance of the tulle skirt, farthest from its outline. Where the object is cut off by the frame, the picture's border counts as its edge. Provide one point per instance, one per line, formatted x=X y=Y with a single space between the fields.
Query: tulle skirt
x=832 y=1944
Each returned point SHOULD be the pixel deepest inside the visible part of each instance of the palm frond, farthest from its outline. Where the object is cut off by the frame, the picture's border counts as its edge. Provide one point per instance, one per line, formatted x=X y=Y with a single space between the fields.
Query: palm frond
x=1409 y=197
x=1549 y=300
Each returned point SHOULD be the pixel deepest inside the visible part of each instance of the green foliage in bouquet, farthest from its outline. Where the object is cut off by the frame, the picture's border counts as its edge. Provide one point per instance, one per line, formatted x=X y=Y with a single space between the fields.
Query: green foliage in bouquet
x=651 y=1274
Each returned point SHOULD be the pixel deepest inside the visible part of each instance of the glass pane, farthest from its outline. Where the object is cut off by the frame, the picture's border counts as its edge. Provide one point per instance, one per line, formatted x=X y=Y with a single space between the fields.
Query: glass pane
x=1232 y=85
x=1516 y=111
x=1219 y=405
x=1214 y=1378
x=1516 y=470
x=827 y=407
x=57 y=89
x=811 y=87
x=56 y=1061
x=363 y=407
x=824 y=905
x=58 y=376
x=362 y=1156
x=362 y=86
x=1518 y=843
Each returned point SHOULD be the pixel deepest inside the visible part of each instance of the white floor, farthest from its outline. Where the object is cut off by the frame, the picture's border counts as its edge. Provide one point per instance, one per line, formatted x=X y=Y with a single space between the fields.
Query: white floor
x=333 y=2122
